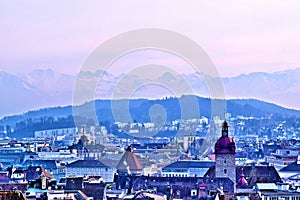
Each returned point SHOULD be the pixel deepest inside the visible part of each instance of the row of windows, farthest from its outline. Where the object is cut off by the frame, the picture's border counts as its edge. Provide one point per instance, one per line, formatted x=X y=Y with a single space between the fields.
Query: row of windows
x=88 y=169
x=175 y=175
x=282 y=198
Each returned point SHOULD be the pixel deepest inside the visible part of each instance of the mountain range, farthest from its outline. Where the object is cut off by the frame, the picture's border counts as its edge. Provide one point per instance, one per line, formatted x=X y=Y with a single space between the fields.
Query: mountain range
x=47 y=88
x=159 y=111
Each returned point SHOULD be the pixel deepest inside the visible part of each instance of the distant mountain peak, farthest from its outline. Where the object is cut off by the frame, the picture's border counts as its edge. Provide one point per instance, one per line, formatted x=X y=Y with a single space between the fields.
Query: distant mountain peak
x=54 y=88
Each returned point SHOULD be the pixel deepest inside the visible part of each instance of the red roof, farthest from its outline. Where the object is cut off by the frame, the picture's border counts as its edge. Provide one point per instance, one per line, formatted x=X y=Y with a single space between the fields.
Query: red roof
x=129 y=160
x=212 y=157
x=242 y=181
x=225 y=145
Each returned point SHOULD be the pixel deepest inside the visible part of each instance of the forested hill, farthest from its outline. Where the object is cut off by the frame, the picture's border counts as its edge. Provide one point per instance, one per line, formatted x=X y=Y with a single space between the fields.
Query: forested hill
x=143 y=110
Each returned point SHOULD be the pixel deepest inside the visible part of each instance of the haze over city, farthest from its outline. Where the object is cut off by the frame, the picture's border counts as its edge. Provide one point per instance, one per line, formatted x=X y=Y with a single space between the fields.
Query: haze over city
x=150 y=100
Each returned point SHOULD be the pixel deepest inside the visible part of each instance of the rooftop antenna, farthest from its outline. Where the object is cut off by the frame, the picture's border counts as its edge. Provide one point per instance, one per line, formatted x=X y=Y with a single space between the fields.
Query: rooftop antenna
x=83 y=129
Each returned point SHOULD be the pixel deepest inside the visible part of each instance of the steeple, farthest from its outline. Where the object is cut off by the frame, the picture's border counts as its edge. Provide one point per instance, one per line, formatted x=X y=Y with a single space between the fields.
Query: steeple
x=225 y=129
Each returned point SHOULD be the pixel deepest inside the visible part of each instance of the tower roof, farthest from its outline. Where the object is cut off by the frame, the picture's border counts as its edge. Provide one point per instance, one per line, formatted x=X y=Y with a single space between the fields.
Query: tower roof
x=129 y=161
x=242 y=182
x=225 y=144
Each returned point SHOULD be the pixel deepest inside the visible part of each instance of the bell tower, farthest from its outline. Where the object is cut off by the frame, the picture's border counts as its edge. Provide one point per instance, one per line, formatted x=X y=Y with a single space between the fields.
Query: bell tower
x=225 y=155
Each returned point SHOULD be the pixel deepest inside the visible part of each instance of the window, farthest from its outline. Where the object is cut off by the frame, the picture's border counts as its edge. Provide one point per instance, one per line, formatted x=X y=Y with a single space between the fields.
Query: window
x=224 y=161
x=225 y=171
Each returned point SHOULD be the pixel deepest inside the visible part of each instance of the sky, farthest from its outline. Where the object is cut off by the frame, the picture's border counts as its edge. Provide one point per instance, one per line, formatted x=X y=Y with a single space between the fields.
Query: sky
x=239 y=36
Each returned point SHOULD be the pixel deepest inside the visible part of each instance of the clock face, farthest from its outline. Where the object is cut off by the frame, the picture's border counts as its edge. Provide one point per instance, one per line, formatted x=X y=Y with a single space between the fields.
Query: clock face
x=224 y=133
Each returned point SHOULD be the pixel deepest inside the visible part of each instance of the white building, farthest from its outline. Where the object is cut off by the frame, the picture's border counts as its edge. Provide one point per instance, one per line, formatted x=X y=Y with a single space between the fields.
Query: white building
x=189 y=168
x=55 y=132
x=92 y=168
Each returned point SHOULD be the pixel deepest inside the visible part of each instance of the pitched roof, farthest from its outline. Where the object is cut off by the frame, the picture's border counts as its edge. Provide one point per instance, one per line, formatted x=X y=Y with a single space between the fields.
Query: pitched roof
x=262 y=174
x=190 y=164
x=130 y=160
x=33 y=172
x=185 y=182
x=12 y=195
x=47 y=164
x=212 y=157
x=87 y=163
x=293 y=167
x=225 y=145
x=266 y=186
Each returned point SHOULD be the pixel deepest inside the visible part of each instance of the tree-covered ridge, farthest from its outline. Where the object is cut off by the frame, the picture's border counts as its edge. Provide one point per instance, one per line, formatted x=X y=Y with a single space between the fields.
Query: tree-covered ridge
x=139 y=110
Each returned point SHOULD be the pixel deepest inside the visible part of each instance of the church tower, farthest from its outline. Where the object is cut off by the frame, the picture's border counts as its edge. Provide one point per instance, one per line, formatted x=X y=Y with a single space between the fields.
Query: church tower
x=225 y=155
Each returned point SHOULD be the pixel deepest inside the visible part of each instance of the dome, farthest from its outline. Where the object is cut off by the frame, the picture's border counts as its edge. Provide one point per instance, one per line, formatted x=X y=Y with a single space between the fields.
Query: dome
x=225 y=145
x=242 y=182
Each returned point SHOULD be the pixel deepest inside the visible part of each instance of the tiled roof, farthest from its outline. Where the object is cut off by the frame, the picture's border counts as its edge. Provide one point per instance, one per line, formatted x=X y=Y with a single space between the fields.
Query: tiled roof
x=190 y=164
x=293 y=167
x=241 y=154
x=225 y=145
x=212 y=157
x=87 y=163
x=266 y=186
x=95 y=147
x=185 y=182
x=263 y=174
x=33 y=172
x=47 y=164
x=11 y=195
x=18 y=171
x=130 y=160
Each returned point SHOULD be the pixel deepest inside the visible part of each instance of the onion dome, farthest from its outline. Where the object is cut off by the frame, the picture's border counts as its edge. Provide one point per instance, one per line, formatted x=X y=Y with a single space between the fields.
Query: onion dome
x=225 y=144
x=242 y=182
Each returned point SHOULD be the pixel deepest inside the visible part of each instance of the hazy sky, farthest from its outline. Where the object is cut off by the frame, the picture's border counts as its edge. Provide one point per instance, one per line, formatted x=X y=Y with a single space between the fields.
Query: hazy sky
x=239 y=36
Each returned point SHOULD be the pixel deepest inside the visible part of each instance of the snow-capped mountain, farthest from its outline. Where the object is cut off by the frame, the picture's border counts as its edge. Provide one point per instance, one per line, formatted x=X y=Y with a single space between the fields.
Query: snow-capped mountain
x=281 y=87
x=41 y=88
x=18 y=95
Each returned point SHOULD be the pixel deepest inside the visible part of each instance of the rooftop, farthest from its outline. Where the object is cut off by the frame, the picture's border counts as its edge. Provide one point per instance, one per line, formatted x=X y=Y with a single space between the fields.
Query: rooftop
x=190 y=164
x=87 y=163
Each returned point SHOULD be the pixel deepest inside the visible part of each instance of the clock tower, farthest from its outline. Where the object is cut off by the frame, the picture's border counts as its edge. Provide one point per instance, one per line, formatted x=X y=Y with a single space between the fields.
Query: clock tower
x=225 y=155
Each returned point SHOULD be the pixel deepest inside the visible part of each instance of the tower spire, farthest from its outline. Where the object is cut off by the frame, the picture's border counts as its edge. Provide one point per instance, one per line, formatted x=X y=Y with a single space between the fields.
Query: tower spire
x=225 y=129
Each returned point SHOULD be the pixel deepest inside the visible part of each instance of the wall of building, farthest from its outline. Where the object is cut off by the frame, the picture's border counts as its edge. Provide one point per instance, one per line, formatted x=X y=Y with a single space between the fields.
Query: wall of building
x=55 y=132
x=107 y=173
x=225 y=166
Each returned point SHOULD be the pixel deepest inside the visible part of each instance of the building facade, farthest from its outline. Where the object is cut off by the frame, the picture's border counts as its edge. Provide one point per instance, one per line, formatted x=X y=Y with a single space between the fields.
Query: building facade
x=190 y=168
x=82 y=168
x=55 y=132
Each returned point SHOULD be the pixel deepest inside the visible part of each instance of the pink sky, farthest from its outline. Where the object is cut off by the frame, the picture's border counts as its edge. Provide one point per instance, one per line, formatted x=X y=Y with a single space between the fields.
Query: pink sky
x=239 y=37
